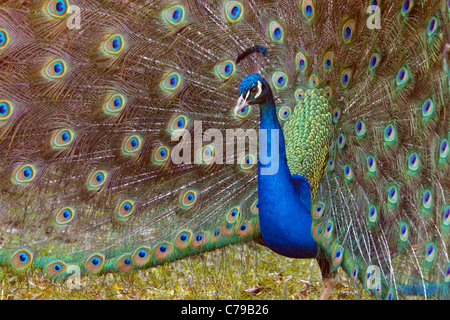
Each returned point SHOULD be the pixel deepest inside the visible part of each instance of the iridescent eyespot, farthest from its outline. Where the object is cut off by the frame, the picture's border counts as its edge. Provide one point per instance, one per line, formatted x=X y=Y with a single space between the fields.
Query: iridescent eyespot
x=21 y=259
x=402 y=76
x=374 y=61
x=317 y=210
x=389 y=133
x=97 y=179
x=348 y=173
x=162 y=250
x=174 y=15
x=331 y=165
x=24 y=174
x=226 y=69
x=371 y=164
x=314 y=81
x=447 y=268
x=276 y=32
x=432 y=26
x=431 y=252
x=161 y=154
x=247 y=162
x=360 y=128
x=332 y=146
x=182 y=240
x=6 y=109
x=62 y=138
x=336 y=115
x=428 y=108
x=55 y=268
x=328 y=230
x=447 y=216
x=141 y=256
x=94 y=263
x=132 y=144
x=244 y=229
x=178 y=123
x=299 y=94
x=354 y=274
x=280 y=80
x=124 y=263
x=244 y=111
x=4 y=38
x=443 y=149
x=200 y=238
x=317 y=233
x=427 y=199
x=373 y=214
x=404 y=231
x=255 y=207
x=55 y=69
x=65 y=215
x=114 y=104
x=348 y=30
x=413 y=162
x=374 y=5
x=346 y=77
x=234 y=11
x=393 y=195
x=233 y=214
x=301 y=62
x=208 y=153
x=328 y=61
x=407 y=6
x=171 y=81
x=284 y=113
x=341 y=141
x=188 y=199
x=126 y=208
x=328 y=92
x=308 y=9
x=57 y=8
x=113 y=44
x=338 y=255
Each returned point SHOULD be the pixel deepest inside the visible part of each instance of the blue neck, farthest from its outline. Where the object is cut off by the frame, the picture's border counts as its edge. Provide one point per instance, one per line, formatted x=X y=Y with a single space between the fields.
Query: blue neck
x=284 y=201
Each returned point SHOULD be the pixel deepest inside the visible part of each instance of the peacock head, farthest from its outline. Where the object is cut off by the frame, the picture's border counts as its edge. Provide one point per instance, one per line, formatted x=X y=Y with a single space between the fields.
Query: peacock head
x=253 y=90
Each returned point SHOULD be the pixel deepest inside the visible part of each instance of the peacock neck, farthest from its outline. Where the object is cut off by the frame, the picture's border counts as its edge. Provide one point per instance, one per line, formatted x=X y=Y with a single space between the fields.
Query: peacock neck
x=284 y=200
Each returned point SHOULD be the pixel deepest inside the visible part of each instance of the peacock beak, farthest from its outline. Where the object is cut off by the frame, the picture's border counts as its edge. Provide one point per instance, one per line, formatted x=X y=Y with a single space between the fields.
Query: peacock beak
x=241 y=104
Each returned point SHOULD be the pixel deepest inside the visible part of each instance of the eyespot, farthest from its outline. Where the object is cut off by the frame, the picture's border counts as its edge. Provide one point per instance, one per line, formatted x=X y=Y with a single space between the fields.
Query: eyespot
x=57 y=8
x=402 y=76
x=338 y=255
x=200 y=238
x=114 y=104
x=21 y=259
x=208 y=153
x=331 y=165
x=348 y=173
x=328 y=61
x=371 y=164
x=4 y=38
x=375 y=60
x=97 y=179
x=174 y=15
x=55 y=69
x=328 y=92
x=188 y=198
x=234 y=11
x=332 y=146
x=308 y=9
x=447 y=216
x=245 y=111
x=178 y=124
x=161 y=154
x=162 y=251
x=354 y=274
x=360 y=128
x=55 y=268
x=299 y=94
x=226 y=69
x=314 y=81
x=62 y=138
x=329 y=230
x=132 y=144
x=336 y=115
x=24 y=174
x=393 y=195
x=317 y=233
x=280 y=80
x=348 y=30
x=447 y=268
x=341 y=141
x=171 y=81
x=427 y=108
x=374 y=5
x=301 y=62
x=113 y=44
x=244 y=230
x=64 y=216
x=427 y=199
x=432 y=26
x=124 y=263
x=284 y=113
x=443 y=149
x=233 y=214
x=391 y=294
x=183 y=239
x=6 y=109
x=404 y=231
x=141 y=256
x=431 y=252
x=255 y=207
x=317 y=210
x=126 y=208
x=390 y=133
x=373 y=214
x=247 y=162
x=407 y=6
x=276 y=32
x=413 y=162
x=346 y=77
x=94 y=263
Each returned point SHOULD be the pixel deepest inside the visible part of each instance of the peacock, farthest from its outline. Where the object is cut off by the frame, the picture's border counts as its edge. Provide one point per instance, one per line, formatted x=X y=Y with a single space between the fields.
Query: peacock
x=137 y=133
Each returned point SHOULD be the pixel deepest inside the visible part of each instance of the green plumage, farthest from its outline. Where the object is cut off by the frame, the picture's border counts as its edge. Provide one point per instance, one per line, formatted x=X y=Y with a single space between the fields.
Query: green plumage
x=89 y=174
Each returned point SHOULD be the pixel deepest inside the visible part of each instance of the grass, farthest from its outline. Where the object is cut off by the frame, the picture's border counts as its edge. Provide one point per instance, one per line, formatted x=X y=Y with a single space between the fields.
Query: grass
x=243 y=272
